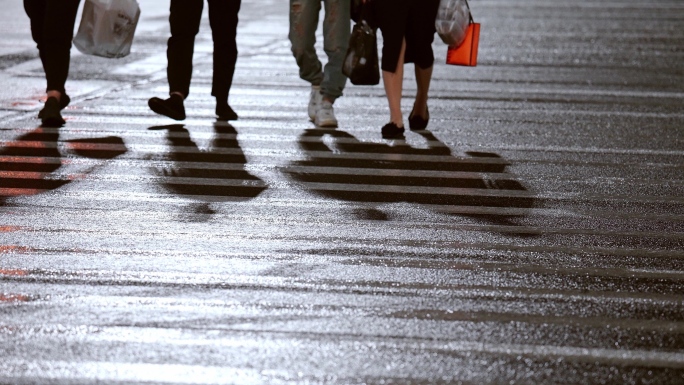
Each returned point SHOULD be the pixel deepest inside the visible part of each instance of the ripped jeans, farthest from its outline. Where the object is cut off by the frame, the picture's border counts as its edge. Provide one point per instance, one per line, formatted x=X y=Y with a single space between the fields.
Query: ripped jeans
x=336 y=31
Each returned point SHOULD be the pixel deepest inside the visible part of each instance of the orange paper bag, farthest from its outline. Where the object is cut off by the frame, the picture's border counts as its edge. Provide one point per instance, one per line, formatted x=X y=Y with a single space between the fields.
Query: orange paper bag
x=466 y=53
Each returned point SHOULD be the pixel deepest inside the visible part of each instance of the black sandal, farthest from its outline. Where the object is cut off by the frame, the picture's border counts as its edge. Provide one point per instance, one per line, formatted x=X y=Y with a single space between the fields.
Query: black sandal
x=417 y=122
x=391 y=131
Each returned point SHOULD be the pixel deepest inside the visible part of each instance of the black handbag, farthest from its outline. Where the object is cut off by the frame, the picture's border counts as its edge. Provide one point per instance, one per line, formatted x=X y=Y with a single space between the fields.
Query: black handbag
x=361 y=61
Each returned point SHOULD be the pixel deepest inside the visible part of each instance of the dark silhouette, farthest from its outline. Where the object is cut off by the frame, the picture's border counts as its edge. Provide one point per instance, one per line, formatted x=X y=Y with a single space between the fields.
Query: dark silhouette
x=408 y=30
x=216 y=172
x=327 y=82
x=377 y=172
x=28 y=163
x=52 y=28
x=185 y=17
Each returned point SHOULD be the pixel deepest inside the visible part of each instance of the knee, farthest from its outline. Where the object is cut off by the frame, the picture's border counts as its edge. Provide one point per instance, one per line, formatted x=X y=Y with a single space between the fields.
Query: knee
x=420 y=52
x=184 y=32
x=228 y=49
x=425 y=59
x=299 y=55
x=298 y=47
x=55 y=42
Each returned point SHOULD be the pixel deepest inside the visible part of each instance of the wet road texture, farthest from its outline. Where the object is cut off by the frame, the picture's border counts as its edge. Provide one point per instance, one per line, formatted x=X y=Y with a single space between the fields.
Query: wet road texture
x=534 y=234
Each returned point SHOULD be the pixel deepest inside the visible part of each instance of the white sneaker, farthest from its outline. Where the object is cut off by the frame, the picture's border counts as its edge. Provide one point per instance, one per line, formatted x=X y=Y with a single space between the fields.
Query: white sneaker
x=325 y=116
x=315 y=100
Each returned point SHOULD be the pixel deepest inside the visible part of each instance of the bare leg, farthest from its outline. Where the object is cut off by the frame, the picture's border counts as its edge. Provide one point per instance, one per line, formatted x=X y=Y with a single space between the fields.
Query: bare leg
x=423 y=77
x=54 y=94
x=393 y=83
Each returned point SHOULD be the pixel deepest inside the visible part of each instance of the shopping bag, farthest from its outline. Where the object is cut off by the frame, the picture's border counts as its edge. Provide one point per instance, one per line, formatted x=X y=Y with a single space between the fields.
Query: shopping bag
x=107 y=27
x=466 y=53
x=453 y=17
x=361 y=61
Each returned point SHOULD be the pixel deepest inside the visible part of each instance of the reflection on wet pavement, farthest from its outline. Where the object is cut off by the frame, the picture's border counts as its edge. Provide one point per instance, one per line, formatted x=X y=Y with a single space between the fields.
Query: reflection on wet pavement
x=28 y=163
x=215 y=172
x=351 y=170
x=134 y=251
x=9 y=298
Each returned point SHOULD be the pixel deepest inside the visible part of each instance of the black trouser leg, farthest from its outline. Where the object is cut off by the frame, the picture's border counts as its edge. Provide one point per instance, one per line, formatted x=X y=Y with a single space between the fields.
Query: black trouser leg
x=52 y=28
x=185 y=22
x=223 y=18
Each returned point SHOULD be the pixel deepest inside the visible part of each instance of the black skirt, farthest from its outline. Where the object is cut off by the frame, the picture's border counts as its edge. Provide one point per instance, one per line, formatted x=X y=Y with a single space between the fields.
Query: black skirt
x=410 y=19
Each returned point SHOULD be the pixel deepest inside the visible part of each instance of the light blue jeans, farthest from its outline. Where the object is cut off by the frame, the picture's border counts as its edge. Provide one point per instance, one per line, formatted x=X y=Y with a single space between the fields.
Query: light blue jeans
x=336 y=31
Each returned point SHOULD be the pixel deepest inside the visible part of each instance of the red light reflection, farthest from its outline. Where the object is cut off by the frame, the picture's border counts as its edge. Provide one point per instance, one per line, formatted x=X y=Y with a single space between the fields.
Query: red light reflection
x=14 y=272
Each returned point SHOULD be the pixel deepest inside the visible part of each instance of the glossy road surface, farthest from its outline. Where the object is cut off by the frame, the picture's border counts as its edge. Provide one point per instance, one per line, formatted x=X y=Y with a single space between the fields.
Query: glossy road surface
x=534 y=235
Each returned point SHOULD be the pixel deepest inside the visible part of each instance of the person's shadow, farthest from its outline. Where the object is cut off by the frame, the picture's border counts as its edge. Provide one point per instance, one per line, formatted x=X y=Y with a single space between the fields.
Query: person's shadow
x=29 y=163
x=342 y=167
x=206 y=176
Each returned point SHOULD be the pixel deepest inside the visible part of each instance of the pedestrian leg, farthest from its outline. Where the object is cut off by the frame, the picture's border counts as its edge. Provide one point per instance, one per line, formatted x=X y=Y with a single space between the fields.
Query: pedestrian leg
x=185 y=22
x=223 y=18
x=185 y=17
x=303 y=24
x=336 y=31
x=52 y=28
x=419 y=116
x=393 y=83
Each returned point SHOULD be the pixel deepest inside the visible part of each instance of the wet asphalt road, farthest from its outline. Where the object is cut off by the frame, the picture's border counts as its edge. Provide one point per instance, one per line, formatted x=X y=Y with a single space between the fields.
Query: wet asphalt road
x=533 y=235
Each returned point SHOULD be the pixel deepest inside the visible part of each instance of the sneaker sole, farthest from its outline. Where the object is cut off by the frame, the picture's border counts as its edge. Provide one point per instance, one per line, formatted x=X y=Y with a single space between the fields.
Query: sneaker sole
x=328 y=123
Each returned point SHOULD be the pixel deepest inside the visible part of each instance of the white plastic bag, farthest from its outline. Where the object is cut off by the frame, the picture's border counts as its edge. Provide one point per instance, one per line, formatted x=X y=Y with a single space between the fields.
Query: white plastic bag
x=107 y=27
x=452 y=21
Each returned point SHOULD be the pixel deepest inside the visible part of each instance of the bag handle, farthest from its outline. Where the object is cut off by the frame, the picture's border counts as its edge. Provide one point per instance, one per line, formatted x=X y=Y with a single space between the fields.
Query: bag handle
x=365 y=11
x=470 y=14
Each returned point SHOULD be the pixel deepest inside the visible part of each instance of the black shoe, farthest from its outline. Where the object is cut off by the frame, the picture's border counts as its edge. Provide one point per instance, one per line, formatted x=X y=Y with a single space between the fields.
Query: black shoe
x=171 y=107
x=417 y=122
x=391 y=130
x=64 y=101
x=50 y=114
x=224 y=112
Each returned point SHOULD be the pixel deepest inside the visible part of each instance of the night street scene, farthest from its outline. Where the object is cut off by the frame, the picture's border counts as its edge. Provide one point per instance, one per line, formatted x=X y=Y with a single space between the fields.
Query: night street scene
x=526 y=226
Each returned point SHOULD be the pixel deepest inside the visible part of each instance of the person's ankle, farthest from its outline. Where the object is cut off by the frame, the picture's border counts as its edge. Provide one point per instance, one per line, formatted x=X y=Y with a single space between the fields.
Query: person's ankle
x=398 y=120
x=420 y=108
x=54 y=94
x=224 y=111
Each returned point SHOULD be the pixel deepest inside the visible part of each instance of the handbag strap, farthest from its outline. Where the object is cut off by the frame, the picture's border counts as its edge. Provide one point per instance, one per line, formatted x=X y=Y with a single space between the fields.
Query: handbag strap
x=470 y=14
x=365 y=9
